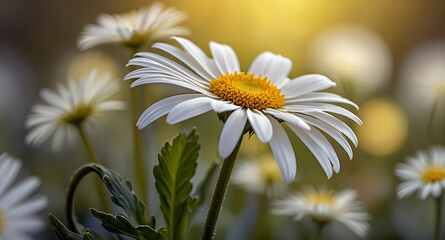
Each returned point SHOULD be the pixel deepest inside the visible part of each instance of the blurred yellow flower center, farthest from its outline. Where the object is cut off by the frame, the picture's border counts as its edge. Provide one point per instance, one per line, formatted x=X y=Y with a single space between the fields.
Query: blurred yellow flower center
x=2 y=222
x=248 y=91
x=433 y=174
x=271 y=171
x=78 y=116
x=320 y=198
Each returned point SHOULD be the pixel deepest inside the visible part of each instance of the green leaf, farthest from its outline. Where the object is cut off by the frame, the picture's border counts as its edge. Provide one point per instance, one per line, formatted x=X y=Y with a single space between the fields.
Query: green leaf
x=121 y=191
x=121 y=225
x=62 y=232
x=177 y=165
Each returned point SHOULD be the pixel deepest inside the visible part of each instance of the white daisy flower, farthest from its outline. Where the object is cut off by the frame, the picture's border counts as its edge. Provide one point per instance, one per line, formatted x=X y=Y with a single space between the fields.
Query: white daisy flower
x=260 y=175
x=425 y=172
x=352 y=53
x=134 y=28
x=80 y=102
x=262 y=98
x=325 y=206
x=422 y=84
x=18 y=219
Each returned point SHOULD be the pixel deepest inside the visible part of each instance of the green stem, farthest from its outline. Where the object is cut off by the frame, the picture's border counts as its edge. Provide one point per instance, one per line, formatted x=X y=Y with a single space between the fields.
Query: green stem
x=139 y=166
x=320 y=227
x=439 y=201
x=219 y=193
x=75 y=180
x=93 y=158
x=262 y=224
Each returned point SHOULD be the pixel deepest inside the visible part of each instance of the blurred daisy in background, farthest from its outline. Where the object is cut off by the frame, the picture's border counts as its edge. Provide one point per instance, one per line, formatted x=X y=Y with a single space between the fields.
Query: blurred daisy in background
x=18 y=210
x=385 y=129
x=259 y=175
x=354 y=57
x=323 y=206
x=424 y=173
x=135 y=28
x=263 y=97
x=80 y=102
x=422 y=85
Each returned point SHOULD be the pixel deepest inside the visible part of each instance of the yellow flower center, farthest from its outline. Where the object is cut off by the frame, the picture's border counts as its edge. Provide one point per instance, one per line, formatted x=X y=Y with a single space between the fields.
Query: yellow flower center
x=2 y=222
x=271 y=171
x=77 y=116
x=248 y=91
x=320 y=198
x=433 y=174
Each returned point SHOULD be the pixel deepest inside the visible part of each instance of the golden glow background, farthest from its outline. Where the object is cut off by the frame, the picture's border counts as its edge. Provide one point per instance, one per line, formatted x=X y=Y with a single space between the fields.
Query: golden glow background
x=37 y=49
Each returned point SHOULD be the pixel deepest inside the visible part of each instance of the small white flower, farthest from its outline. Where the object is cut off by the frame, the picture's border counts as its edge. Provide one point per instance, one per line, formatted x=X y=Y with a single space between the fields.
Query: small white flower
x=355 y=54
x=82 y=101
x=425 y=172
x=263 y=97
x=325 y=206
x=260 y=175
x=134 y=28
x=18 y=219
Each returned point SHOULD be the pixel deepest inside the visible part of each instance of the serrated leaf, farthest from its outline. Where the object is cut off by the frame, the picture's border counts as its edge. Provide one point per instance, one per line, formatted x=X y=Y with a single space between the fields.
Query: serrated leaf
x=121 y=225
x=120 y=189
x=62 y=232
x=177 y=165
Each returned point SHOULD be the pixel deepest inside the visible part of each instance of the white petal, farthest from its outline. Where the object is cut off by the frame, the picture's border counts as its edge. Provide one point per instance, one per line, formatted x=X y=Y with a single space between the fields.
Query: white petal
x=225 y=58
x=305 y=84
x=189 y=109
x=275 y=67
x=19 y=192
x=313 y=146
x=231 y=133
x=223 y=106
x=8 y=170
x=27 y=208
x=282 y=150
x=161 y=108
x=320 y=97
x=260 y=124
x=289 y=117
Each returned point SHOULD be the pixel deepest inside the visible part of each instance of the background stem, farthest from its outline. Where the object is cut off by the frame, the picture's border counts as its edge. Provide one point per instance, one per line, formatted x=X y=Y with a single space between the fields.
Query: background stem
x=439 y=201
x=139 y=164
x=103 y=196
x=219 y=193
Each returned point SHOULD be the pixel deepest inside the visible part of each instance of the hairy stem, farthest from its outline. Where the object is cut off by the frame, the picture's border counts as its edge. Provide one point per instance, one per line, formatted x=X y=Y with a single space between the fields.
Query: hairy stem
x=219 y=193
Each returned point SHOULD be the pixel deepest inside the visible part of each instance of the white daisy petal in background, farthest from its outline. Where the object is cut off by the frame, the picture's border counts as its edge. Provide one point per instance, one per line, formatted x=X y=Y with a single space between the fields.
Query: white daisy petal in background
x=422 y=84
x=355 y=54
x=263 y=98
x=18 y=209
x=324 y=206
x=79 y=102
x=424 y=173
x=134 y=28
x=260 y=175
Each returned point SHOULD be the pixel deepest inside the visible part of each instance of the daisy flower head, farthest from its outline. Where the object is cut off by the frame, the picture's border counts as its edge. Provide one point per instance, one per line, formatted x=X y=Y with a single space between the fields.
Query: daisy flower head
x=262 y=98
x=352 y=54
x=260 y=175
x=134 y=28
x=18 y=219
x=325 y=206
x=82 y=101
x=424 y=173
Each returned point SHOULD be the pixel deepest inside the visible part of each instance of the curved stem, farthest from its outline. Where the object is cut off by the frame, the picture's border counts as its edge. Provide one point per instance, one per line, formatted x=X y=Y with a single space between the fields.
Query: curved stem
x=139 y=166
x=439 y=201
x=75 y=180
x=93 y=158
x=219 y=193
